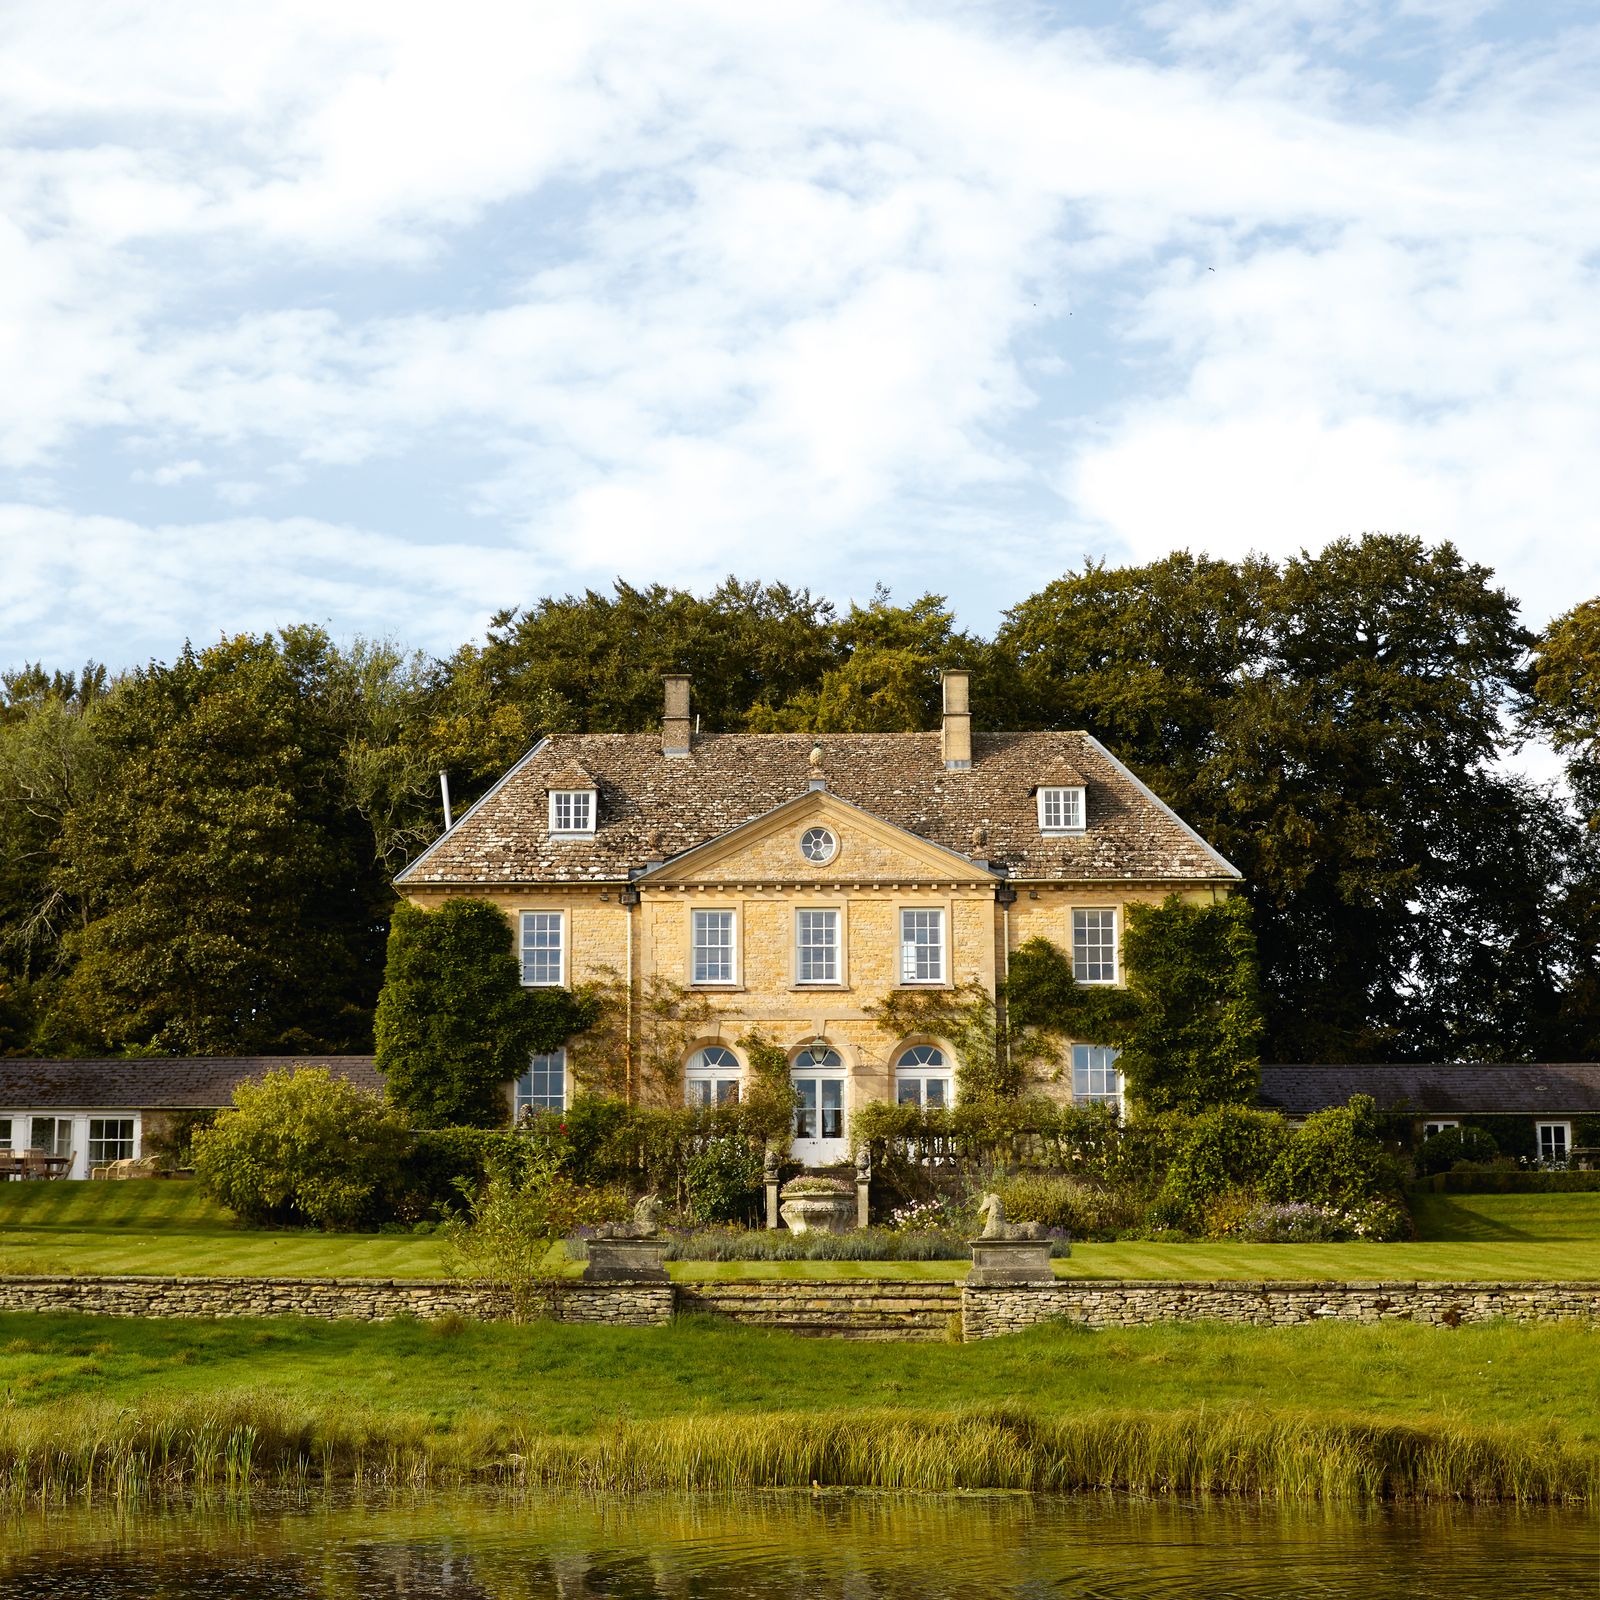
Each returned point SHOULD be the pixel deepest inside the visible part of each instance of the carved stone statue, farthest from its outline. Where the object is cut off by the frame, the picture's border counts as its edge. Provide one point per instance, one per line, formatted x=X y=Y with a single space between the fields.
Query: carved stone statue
x=993 y=1212
x=863 y=1164
x=643 y=1225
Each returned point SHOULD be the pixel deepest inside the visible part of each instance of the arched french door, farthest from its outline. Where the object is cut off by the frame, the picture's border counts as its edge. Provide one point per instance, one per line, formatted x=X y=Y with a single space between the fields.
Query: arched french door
x=817 y=1072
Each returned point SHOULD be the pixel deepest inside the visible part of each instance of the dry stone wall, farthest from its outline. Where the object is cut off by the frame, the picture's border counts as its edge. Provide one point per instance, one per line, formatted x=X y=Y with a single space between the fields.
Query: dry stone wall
x=867 y=1309
x=987 y=1313
x=360 y=1299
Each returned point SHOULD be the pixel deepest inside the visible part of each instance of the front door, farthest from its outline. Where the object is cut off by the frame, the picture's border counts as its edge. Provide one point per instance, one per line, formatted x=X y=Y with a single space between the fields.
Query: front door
x=819 y=1136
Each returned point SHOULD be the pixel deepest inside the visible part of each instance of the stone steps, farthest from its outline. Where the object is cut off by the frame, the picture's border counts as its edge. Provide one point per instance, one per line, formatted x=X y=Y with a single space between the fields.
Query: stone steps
x=858 y=1309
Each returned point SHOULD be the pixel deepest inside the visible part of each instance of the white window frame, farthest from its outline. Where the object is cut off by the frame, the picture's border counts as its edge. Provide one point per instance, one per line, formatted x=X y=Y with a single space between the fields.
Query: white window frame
x=1438 y=1125
x=1070 y=800
x=1088 y=1060
x=524 y=1097
x=800 y=948
x=90 y=1141
x=5 y=1136
x=704 y=1085
x=1116 y=944
x=582 y=806
x=921 y=1074
x=825 y=832
x=696 y=977
x=1566 y=1141
x=560 y=948
x=912 y=950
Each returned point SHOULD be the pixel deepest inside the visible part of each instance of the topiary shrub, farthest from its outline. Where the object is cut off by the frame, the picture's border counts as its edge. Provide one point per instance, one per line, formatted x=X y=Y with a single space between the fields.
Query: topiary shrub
x=305 y=1147
x=1444 y=1149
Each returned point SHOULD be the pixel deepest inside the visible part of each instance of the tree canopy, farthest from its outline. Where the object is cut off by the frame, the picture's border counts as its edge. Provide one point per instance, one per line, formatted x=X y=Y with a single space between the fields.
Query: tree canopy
x=197 y=855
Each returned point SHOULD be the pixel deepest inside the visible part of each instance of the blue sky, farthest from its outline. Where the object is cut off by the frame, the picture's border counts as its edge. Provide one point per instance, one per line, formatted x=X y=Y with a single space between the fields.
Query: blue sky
x=390 y=315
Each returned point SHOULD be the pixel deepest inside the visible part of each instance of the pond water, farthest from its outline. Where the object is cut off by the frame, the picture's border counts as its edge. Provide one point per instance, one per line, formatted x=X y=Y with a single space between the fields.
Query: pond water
x=761 y=1546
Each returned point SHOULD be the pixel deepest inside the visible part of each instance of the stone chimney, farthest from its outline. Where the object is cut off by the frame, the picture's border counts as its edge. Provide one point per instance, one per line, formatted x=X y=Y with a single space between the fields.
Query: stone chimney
x=675 y=721
x=956 y=743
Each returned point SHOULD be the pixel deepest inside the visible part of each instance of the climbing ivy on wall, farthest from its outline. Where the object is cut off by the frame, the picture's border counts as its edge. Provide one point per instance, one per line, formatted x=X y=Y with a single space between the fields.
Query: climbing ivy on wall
x=1188 y=1025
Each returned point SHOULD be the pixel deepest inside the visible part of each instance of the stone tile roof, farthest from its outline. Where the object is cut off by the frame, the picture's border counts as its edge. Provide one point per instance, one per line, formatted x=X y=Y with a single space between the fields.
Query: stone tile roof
x=1560 y=1089
x=164 y=1083
x=653 y=807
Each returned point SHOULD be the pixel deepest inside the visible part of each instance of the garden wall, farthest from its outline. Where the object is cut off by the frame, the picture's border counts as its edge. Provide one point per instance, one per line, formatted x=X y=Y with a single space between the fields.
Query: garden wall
x=362 y=1299
x=869 y=1309
x=986 y=1313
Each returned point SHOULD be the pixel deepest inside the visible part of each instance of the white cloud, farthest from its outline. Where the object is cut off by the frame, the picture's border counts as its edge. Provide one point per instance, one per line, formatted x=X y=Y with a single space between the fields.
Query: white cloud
x=665 y=290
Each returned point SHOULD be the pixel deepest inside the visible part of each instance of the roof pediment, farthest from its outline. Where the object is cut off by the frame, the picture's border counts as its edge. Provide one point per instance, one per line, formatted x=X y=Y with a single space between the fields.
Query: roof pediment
x=867 y=850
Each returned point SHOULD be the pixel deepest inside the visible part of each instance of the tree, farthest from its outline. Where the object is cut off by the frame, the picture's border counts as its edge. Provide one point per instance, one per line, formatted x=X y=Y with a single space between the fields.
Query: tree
x=231 y=900
x=1334 y=727
x=1193 y=1035
x=454 y=1024
x=1564 y=703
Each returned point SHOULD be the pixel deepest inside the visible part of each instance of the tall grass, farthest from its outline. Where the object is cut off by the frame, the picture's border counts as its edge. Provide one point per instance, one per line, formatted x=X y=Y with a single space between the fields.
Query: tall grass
x=231 y=1442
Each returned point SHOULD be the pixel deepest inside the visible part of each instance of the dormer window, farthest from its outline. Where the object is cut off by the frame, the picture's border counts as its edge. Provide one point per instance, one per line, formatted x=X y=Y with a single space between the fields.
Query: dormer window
x=1061 y=809
x=572 y=811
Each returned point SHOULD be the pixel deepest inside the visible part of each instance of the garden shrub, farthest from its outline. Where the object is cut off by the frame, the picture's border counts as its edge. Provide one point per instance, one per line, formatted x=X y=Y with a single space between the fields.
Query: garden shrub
x=1444 y=1149
x=304 y=1147
x=861 y=1244
x=505 y=1235
x=1335 y=1159
x=1081 y=1209
x=722 y=1181
x=1296 y=1222
x=1225 y=1149
x=441 y=1159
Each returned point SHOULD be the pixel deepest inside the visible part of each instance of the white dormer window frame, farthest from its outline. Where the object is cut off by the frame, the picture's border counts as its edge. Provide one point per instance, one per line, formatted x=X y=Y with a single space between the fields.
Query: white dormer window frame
x=1062 y=808
x=573 y=813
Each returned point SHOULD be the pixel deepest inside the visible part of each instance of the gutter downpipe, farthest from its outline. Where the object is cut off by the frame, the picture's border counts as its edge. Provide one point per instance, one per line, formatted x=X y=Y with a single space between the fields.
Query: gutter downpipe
x=1004 y=896
x=630 y=899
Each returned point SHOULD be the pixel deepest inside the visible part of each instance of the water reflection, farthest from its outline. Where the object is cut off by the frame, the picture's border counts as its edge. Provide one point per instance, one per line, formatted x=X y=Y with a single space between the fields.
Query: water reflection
x=792 y=1547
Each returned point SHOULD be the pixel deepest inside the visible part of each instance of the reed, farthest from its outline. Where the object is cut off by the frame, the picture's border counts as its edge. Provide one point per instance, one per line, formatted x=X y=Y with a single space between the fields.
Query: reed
x=229 y=1443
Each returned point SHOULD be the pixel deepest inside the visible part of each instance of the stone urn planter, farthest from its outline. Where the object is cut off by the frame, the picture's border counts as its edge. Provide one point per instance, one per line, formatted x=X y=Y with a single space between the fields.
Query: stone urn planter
x=818 y=1205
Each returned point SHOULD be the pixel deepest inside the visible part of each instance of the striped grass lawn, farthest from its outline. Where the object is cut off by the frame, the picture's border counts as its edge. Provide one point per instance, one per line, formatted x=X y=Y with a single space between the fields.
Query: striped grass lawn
x=170 y=1227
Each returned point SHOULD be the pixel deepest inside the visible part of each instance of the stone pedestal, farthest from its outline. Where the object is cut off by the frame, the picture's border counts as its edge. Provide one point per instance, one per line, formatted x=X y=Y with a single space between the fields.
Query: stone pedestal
x=863 y=1200
x=1007 y=1261
x=626 y=1261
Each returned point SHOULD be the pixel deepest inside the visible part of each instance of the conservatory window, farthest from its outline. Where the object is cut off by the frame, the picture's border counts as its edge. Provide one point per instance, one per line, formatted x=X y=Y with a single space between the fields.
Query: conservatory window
x=1555 y=1138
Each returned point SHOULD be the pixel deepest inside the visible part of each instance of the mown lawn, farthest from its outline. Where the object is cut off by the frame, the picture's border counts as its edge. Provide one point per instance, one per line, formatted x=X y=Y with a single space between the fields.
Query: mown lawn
x=567 y=1377
x=172 y=1228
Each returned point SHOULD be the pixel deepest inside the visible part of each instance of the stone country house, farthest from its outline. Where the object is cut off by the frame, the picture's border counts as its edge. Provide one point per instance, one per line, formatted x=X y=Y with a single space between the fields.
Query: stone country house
x=794 y=881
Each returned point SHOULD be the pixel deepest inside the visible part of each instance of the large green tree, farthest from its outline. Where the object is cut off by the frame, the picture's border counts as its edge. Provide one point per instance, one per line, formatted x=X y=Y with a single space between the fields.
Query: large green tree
x=232 y=902
x=1334 y=725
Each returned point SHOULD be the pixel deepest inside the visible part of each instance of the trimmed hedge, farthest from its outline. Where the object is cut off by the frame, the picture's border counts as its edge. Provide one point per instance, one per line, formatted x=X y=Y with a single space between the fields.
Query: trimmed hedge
x=1507 y=1183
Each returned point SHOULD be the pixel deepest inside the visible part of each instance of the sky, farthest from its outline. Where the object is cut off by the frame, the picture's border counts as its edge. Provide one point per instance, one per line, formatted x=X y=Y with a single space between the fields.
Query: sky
x=391 y=315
